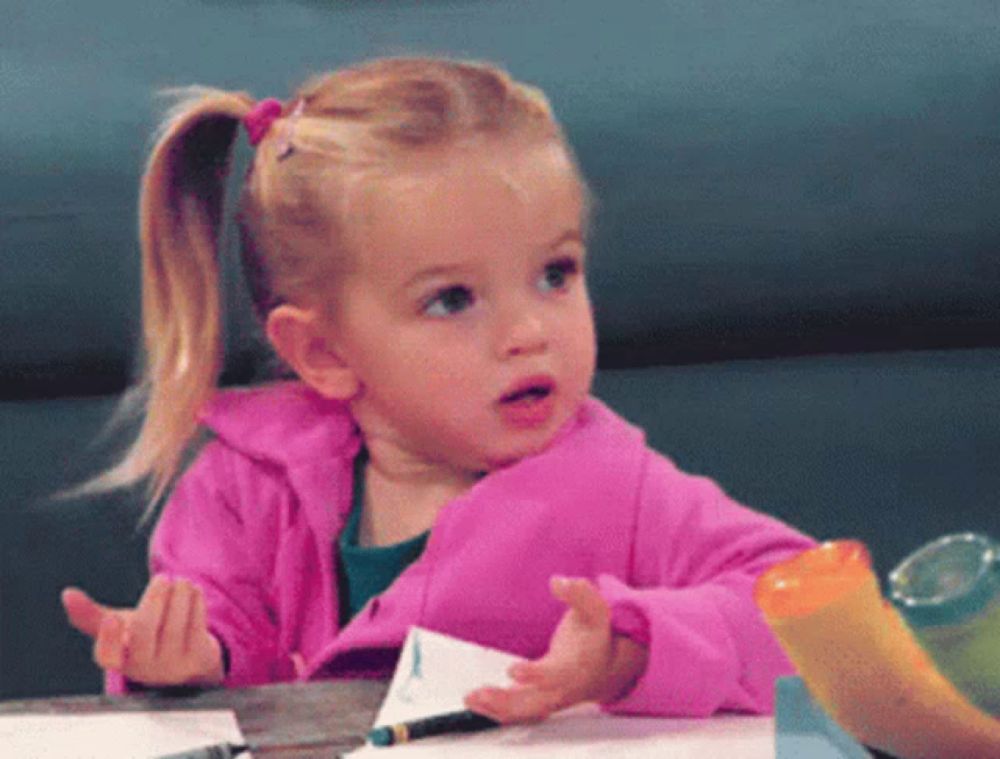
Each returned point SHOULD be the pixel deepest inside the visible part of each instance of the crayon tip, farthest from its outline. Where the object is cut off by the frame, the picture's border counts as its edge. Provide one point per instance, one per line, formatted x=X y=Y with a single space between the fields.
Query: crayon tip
x=380 y=736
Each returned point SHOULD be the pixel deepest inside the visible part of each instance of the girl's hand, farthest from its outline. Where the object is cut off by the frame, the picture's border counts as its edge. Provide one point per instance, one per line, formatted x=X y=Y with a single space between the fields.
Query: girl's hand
x=585 y=662
x=163 y=641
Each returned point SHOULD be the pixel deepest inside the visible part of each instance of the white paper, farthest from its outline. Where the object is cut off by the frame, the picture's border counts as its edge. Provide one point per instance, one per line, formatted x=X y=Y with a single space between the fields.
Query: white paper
x=435 y=672
x=114 y=735
x=448 y=668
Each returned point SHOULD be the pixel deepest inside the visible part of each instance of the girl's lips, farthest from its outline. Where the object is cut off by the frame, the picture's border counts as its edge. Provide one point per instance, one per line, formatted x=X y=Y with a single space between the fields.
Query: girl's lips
x=529 y=402
x=538 y=385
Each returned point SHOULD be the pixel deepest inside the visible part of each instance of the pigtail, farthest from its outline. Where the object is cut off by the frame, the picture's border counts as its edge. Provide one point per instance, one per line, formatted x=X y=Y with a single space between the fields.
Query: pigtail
x=180 y=216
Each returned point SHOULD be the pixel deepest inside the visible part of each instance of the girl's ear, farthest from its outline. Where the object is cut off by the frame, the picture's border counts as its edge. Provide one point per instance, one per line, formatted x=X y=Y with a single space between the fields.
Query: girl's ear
x=304 y=343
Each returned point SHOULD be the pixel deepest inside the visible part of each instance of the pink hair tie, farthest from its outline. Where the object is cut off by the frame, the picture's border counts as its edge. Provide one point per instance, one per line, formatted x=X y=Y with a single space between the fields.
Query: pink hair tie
x=260 y=118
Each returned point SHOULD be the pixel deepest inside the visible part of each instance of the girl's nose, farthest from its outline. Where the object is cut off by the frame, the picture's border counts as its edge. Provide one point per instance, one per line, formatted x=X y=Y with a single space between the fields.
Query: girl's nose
x=523 y=333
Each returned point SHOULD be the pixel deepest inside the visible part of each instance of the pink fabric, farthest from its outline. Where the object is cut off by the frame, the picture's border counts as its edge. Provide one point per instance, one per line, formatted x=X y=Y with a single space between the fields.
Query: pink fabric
x=260 y=118
x=254 y=522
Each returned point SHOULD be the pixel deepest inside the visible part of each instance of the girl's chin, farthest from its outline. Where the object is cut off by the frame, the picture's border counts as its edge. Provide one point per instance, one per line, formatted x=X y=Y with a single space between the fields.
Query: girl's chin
x=501 y=460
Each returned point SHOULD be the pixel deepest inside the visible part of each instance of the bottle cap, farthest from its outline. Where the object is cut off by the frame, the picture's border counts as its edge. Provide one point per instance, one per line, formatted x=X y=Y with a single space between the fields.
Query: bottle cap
x=946 y=581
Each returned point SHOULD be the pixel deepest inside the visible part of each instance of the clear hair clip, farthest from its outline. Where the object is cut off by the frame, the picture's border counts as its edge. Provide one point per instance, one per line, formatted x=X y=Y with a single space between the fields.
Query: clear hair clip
x=285 y=147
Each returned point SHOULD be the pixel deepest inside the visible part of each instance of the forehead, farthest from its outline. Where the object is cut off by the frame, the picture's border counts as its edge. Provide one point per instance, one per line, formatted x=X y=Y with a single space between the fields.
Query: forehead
x=482 y=199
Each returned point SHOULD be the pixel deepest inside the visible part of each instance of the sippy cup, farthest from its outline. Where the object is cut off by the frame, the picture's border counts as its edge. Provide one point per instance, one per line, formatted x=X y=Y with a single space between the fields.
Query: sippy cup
x=862 y=663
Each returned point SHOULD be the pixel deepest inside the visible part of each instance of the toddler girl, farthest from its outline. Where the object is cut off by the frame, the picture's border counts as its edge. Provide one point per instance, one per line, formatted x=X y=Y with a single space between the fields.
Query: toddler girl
x=414 y=240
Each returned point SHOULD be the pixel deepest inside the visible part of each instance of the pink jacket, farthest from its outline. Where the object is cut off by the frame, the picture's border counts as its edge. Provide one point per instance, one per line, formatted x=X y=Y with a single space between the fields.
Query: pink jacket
x=254 y=522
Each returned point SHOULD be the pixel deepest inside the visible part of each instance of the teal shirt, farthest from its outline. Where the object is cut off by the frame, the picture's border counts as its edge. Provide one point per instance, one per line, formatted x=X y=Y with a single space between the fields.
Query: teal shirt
x=364 y=572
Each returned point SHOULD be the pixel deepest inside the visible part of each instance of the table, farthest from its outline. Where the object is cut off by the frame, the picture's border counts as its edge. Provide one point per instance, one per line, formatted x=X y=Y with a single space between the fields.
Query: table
x=285 y=721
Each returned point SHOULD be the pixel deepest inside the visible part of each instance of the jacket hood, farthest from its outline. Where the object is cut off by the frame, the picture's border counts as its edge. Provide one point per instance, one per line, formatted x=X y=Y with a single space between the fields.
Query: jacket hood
x=285 y=423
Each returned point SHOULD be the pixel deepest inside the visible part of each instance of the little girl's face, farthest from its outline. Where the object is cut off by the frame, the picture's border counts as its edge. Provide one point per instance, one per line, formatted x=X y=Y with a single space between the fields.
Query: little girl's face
x=467 y=319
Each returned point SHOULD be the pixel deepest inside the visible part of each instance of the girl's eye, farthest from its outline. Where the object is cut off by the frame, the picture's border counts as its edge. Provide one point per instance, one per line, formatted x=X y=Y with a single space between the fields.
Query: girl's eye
x=557 y=273
x=450 y=300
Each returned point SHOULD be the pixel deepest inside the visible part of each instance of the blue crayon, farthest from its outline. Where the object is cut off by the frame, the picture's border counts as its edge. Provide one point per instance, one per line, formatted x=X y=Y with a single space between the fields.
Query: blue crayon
x=441 y=724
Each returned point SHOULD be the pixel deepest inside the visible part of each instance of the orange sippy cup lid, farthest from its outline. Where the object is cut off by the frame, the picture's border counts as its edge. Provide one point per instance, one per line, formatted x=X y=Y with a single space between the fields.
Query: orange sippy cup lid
x=818 y=576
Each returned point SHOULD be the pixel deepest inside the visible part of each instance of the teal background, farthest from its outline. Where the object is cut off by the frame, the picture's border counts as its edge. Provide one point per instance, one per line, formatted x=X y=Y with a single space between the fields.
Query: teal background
x=794 y=263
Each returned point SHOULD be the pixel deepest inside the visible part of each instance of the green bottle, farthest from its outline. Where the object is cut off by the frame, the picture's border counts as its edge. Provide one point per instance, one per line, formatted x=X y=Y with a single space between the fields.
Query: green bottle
x=949 y=594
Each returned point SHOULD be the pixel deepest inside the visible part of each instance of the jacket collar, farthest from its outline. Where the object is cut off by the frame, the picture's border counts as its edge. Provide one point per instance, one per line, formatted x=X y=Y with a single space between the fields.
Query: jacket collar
x=290 y=424
x=314 y=440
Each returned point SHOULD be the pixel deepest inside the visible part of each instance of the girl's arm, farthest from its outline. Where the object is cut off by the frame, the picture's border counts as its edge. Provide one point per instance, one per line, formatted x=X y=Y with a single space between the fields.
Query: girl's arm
x=163 y=641
x=586 y=661
x=207 y=536
x=682 y=637
x=203 y=619
x=697 y=554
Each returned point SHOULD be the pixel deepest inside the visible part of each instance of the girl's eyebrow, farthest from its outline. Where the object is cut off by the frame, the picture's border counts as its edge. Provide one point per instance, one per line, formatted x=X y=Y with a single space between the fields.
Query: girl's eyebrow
x=443 y=270
x=570 y=235
x=432 y=272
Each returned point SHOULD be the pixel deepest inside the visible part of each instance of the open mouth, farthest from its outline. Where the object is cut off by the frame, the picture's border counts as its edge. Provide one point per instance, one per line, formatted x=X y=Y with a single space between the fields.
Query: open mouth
x=528 y=394
x=529 y=403
x=529 y=390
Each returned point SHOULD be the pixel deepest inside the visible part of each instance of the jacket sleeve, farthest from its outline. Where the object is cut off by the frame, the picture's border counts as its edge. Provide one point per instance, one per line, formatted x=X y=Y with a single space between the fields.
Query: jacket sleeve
x=203 y=536
x=696 y=554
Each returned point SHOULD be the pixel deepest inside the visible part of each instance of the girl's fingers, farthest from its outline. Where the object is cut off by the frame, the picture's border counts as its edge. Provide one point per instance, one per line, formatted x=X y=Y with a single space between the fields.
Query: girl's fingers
x=509 y=705
x=204 y=647
x=109 y=646
x=563 y=681
x=173 y=631
x=149 y=617
x=583 y=598
x=529 y=672
x=482 y=702
x=83 y=612
x=198 y=624
x=551 y=673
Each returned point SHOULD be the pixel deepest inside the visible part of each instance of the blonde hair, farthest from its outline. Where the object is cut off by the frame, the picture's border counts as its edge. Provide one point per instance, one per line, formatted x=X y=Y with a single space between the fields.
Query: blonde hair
x=293 y=217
